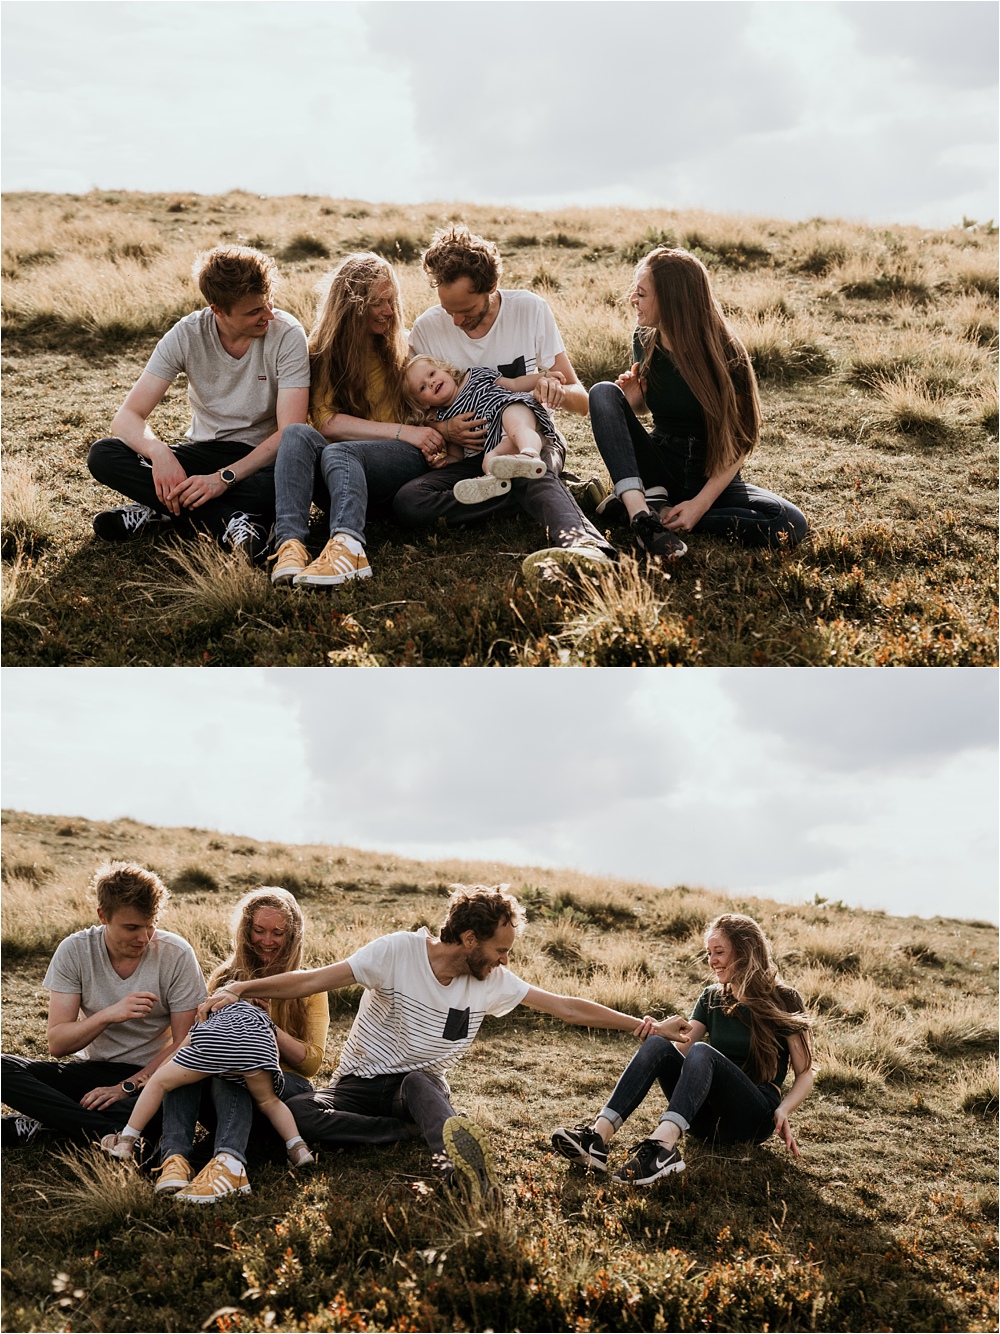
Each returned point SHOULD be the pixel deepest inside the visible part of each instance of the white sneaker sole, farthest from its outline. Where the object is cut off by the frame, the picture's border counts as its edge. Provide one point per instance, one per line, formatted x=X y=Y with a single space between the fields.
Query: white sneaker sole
x=473 y=490
x=649 y=1181
x=213 y=1199
x=169 y=1187
x=286 y=576
x=516 y=465
x=568 y=1148
x=329 y=580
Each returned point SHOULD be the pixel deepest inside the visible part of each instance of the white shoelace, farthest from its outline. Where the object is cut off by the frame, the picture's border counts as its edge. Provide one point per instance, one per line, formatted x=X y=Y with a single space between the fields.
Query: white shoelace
x=240 y=529
x=135 y=516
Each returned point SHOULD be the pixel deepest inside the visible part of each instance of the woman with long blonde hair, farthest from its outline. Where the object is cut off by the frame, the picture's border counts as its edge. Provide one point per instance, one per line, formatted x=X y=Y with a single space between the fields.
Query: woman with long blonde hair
x=266 y=934
x=724 y=1079
x=692 y=373
x=361 y=445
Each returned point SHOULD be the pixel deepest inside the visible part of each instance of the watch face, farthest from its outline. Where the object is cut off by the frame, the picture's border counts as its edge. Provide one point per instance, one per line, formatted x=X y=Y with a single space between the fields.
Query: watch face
x=128 y=1085
x=228 y=476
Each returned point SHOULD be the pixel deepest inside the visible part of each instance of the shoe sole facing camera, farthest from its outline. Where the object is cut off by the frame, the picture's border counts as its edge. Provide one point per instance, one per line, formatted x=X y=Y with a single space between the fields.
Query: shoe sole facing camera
x=588 y=559
x=474 y=490
x=470 y=1154
x=564 y=1144
x=516 y=465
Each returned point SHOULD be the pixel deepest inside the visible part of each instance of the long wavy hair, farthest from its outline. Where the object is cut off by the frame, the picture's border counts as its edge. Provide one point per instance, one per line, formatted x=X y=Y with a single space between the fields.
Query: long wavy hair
x=244 y=964
x=714 y=363
x=341 y=342
x=756 y=985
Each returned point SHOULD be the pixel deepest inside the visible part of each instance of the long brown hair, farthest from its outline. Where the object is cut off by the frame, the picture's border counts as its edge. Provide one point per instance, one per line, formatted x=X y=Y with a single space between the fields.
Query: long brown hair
x=341 y=342
x=756 y=985
x=244 y=964
x=714 y=363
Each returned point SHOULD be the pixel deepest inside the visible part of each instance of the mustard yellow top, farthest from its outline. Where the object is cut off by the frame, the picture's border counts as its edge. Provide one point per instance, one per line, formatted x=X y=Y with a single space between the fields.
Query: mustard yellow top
x=313 y=1039
x=323 y=406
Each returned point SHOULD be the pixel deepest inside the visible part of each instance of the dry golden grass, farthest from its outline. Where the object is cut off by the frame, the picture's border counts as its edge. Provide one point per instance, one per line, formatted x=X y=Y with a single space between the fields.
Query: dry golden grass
x=200 y=581
x=26 y=515
x=832 y=311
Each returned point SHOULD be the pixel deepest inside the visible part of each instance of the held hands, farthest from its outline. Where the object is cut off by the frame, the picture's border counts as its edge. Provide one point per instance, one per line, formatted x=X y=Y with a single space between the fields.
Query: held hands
x=194 y=491
x=784 y=1131
x=674 y=1029
x=549 y=390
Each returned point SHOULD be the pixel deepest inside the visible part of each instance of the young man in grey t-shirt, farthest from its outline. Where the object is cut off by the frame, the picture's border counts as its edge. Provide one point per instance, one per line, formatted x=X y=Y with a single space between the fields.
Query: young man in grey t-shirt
x=122 y=997
x=247 y=367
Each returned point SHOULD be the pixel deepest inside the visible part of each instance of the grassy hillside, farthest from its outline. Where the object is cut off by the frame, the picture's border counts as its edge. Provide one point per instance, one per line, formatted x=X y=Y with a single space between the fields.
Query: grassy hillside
x=886 y=1223
x=876 y=351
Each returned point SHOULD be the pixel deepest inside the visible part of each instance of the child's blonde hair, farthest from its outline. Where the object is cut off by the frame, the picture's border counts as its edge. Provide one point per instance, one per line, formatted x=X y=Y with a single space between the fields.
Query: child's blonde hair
x=421 y=412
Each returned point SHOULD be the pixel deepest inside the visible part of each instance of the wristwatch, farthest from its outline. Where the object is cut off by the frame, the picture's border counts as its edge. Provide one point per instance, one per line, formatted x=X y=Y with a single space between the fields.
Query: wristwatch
x=129 y=1086
x=227 y=475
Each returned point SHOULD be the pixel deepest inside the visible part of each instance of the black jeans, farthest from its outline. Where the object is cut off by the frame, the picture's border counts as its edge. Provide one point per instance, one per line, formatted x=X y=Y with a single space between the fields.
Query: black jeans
x=635 y=457
x=374 y=1111
x=50 y=1091
x=114 y=464
x=708 y=1093
x=432 y=496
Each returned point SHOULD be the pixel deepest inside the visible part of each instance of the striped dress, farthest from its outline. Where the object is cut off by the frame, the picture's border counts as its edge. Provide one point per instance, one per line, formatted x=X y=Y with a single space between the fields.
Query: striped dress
x=239 y=1037
x=481 y=396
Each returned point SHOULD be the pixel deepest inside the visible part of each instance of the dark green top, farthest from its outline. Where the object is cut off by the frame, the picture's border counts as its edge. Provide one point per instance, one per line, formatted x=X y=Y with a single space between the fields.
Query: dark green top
x=675 y=409
x=730 y=1034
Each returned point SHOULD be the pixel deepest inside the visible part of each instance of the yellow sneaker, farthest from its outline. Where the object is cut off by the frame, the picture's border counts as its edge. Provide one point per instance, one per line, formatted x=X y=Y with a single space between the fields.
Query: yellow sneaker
x=214 y=1181
x=290 y=559
x=335 y=564
x=175 y=1174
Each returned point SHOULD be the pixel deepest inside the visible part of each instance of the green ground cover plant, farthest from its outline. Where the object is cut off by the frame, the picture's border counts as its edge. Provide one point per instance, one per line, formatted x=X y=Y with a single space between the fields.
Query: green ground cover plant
x=876 y=352
x=887 y=1222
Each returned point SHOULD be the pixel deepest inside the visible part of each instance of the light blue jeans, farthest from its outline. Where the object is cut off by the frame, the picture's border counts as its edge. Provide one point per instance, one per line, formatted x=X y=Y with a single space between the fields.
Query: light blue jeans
x=234 y=1108
x=355 y=473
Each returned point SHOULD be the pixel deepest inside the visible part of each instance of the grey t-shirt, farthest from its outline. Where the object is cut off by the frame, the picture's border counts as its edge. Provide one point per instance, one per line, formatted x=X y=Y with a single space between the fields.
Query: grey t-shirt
x=233 y=399
x=167 y=968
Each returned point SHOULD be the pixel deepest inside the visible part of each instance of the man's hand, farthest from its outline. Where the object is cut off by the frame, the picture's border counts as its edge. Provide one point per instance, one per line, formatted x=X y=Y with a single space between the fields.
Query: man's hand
x=466 y=430
x=194 y=491
x=682 y=518
x=136 y=1005
x=215 y=1002
x=549 y=390
x=784 y=1131
x=168 y=475
x=97 y=1099
x=674 y=1029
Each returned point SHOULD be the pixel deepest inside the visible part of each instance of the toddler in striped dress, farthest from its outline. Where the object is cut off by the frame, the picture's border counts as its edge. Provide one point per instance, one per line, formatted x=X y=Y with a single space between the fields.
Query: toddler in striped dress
x=515 y=420
x=238 y=1043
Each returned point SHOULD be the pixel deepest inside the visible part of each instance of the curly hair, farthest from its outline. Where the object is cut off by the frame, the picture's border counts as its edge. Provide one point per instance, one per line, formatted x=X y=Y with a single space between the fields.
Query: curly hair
x=120 y=885
x=757 y=987
x=455 y=252
x=712 y=360
x=480 y=909
x=229 y=273
x=419 y=411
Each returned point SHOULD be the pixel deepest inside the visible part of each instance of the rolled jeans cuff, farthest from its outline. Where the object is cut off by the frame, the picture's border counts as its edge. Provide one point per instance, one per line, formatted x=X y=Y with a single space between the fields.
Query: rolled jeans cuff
x=677 y=1119
x=611 y=1115
x=629 y=484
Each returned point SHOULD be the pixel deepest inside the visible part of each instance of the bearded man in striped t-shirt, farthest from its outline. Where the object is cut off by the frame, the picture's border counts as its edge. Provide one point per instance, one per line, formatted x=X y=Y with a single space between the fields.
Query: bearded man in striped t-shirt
x=425 y=999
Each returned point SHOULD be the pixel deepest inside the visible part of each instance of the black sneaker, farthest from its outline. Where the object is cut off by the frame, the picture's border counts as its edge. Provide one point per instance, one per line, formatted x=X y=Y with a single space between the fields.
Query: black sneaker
x=127 y=523
x=654 y=538
x=242 y=534
x=16 y=1131
x=611 y=510
x=650 y=1160
x=581 y=1144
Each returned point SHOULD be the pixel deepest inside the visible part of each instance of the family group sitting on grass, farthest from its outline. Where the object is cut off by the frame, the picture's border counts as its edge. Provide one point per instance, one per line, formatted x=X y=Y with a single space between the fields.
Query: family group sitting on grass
x=452 y=420
x=129 y=1005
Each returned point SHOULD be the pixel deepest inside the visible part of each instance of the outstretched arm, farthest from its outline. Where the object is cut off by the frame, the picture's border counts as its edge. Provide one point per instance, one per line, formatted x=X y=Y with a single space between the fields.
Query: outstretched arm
x=283 y=986
x=801 y=1085
x=576 y=1010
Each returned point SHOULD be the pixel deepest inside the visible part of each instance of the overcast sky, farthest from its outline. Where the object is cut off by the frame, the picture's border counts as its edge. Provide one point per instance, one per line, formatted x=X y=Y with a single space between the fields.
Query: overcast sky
x=875 y=787
x=884 y=111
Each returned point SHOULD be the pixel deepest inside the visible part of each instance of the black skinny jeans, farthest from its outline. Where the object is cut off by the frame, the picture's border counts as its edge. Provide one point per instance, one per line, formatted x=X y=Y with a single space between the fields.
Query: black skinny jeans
x=375 y=1111
x=636 y=458
x=708 y=1093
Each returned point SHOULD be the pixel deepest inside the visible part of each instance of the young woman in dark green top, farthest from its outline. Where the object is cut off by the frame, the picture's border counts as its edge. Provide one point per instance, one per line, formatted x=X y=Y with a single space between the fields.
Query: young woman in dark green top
x=694 y=376
x=723 y=1080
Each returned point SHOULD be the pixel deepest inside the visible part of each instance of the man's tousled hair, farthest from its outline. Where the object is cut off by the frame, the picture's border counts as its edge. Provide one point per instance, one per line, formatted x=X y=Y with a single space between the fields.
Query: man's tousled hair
x=455 y=252
x=120 y=885
x=231 y=273
x=481 y=909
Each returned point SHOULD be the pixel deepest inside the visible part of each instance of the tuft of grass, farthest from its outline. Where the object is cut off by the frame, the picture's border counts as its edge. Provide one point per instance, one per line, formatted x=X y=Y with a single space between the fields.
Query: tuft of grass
x=92 y=1191
x=206 y=584
x=781 y=347
x=193 y=880
x=977 y=1089
x=20 y=590
x=303 y=246
x=910 y=405
x=28 y=515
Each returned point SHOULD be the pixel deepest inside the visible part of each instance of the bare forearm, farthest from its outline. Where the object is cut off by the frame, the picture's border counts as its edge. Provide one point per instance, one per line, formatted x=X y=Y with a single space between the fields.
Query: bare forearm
x=575 y=400
x=65 y=1039
x=799 y=1091
x=715 y=486
x=343 y=427
x=136 y=432
x=591 y=1015
x=286 y=986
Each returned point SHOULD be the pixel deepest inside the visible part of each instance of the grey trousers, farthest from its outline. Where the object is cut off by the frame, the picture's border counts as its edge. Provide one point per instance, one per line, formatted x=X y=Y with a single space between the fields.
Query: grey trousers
x=374 y=1111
